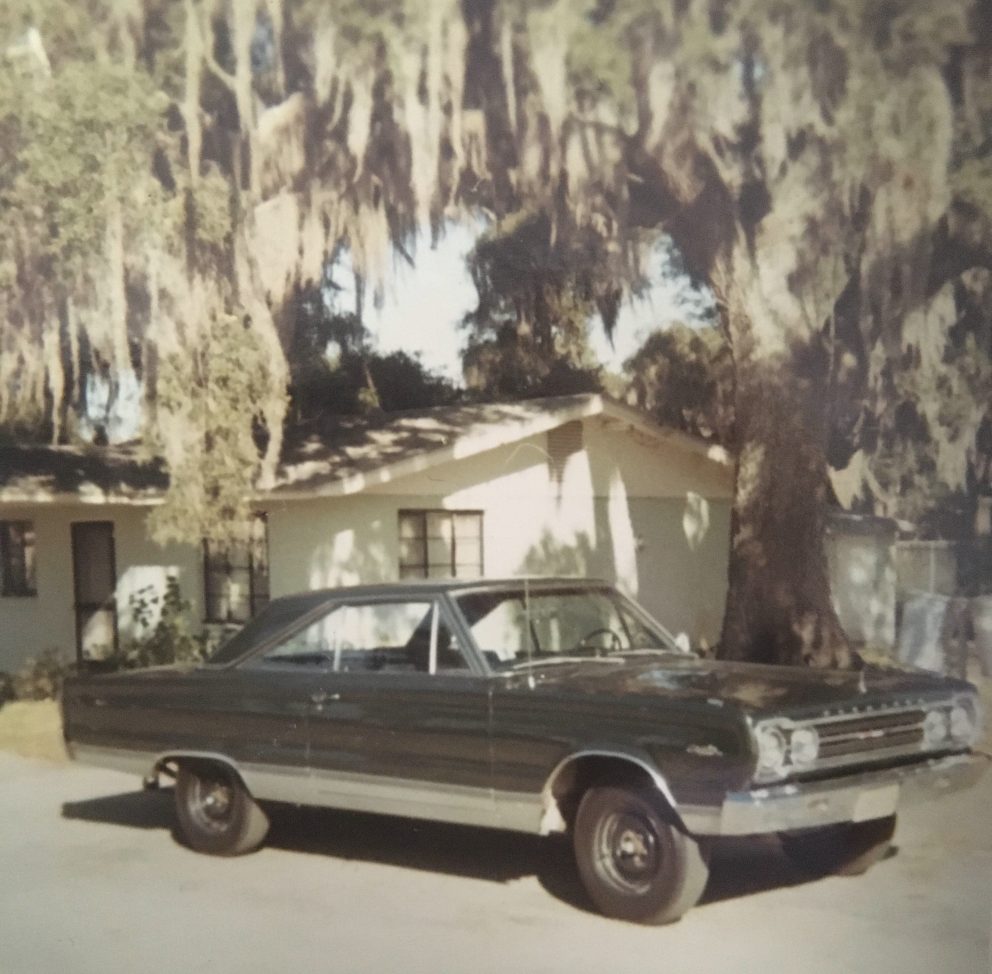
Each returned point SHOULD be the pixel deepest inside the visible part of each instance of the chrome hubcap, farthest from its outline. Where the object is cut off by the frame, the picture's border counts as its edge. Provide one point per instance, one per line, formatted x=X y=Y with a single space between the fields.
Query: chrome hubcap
x=212 y=804
x=629 y=850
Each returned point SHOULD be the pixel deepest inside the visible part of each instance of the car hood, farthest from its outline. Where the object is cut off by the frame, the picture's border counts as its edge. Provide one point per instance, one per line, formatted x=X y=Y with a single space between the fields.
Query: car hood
x=755 y=688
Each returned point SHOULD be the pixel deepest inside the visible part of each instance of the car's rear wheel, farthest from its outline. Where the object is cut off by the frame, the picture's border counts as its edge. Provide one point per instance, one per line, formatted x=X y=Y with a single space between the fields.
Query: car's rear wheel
x=216 y=813
x=634 y=864
x=846 y=849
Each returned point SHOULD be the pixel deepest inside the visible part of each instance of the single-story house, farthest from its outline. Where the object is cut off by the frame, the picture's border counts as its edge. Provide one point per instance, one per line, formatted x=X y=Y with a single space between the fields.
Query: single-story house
x=569 y=485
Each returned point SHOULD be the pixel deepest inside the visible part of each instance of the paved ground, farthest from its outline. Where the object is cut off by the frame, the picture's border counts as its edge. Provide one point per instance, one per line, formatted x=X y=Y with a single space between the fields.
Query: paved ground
x=92 y=880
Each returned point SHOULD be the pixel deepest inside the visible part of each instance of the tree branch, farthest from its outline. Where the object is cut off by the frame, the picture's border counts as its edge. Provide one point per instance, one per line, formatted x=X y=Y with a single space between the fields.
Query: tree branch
x=960 y=242
x=218 y=72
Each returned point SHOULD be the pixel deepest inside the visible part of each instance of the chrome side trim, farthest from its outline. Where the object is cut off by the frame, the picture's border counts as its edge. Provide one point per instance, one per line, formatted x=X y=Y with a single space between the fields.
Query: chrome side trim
x=519 y=811
x=274 y=783
x=873 y=794
x=405 y=797
x=408 y=798
x=141 y=763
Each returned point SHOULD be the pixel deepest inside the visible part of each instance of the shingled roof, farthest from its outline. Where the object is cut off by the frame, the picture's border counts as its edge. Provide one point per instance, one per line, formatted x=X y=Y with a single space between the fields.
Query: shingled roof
x=342 y=456
x=99 y=474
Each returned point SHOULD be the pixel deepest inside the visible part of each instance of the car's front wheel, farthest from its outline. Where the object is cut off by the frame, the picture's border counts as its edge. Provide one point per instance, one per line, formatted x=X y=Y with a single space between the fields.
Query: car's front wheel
x=635 y=864
x=216 y=813
x=847 y=849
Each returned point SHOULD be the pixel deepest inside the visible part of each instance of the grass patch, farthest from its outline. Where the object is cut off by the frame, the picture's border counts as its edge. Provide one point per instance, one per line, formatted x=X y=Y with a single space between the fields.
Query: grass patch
x=984 y=685
x=33 y=729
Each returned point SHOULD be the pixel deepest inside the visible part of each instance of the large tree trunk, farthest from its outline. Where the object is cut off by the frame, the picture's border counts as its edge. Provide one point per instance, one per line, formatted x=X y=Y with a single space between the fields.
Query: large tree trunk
x=779 y=608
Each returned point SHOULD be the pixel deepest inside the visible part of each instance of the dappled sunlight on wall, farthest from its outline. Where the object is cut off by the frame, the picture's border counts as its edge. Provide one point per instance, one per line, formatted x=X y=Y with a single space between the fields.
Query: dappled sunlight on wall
x=337 y=542
x=695 y=519
x=329 y=561
x=623 y=539
x=551 y=556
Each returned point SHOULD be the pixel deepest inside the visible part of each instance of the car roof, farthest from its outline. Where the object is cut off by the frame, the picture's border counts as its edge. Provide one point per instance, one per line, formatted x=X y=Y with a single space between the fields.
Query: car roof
x=283 y=612
x=417 y=585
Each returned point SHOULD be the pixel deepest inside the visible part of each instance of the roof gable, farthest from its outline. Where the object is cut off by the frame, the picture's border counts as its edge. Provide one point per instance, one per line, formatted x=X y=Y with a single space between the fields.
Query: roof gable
x=402 y=444
x=344 y=457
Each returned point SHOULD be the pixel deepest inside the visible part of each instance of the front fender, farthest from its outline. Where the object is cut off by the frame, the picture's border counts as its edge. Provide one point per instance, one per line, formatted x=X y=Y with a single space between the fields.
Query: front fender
x=560 y=781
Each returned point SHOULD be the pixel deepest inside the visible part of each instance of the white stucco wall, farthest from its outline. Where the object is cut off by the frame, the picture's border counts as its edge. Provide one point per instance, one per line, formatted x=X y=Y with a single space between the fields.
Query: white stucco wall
x=31 y=624
x=651 y=518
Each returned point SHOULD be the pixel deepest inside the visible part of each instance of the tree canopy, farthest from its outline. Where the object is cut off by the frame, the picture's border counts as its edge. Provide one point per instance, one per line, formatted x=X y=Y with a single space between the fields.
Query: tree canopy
x=175 y=174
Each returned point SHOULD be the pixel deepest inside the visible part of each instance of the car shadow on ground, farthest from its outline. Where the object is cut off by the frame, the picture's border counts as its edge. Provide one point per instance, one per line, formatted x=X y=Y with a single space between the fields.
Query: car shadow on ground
x=738 y=867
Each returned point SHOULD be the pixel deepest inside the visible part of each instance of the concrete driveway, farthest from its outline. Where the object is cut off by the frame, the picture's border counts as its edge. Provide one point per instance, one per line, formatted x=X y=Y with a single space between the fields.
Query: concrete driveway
x=92 y=880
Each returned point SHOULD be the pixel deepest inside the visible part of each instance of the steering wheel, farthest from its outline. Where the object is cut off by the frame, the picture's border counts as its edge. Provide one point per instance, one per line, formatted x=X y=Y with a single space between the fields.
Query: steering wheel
x=615 y=640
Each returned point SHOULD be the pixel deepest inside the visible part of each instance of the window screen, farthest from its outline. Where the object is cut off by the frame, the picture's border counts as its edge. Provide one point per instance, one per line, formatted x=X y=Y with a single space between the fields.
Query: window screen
x=236 y=575
x=440 y=544
x=17 y=558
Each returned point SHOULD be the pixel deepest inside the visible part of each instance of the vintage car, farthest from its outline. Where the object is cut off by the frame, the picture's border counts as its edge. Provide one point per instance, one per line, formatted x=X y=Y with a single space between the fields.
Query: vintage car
x=538 y=705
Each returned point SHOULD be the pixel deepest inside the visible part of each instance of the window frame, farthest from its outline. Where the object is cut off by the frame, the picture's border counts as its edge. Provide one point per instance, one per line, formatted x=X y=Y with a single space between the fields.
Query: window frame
x=256 y=601
x=444 y=612
x=27 y=567
x=424 y=567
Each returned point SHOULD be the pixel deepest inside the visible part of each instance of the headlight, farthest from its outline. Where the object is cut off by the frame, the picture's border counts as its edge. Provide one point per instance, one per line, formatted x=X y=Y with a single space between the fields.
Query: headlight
x=804 y=746
x=934 y=728
x=772 y=751
x=963 y=721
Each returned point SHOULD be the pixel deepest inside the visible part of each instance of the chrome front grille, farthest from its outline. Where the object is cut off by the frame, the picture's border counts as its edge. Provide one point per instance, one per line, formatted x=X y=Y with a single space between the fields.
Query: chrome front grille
x=863 y=735
x=858 y=737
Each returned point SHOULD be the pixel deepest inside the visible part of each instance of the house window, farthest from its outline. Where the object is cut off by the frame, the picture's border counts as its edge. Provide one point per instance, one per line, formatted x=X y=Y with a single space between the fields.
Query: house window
x=440 y=544
x=236 y=575
x=17 y=558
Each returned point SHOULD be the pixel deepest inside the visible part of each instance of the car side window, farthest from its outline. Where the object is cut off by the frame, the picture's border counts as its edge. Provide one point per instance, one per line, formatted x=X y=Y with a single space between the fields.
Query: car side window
x=386 y=637
x=313 y=645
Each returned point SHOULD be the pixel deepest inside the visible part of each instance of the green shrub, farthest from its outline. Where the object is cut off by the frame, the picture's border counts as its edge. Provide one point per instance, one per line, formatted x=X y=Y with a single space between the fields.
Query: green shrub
x=170 y=639
x=40 y=678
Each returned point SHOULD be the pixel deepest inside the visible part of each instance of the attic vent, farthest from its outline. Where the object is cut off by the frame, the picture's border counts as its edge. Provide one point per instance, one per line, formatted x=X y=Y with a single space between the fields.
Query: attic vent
x=563 y=442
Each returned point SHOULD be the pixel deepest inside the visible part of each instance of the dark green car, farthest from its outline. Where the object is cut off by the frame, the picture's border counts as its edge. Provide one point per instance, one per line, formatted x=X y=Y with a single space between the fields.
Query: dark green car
x=550 y=705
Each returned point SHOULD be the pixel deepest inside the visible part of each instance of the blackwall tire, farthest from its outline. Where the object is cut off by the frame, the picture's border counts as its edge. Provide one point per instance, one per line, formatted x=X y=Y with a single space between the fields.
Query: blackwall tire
x=216 y=813
x=634 y=864
x=847 y=849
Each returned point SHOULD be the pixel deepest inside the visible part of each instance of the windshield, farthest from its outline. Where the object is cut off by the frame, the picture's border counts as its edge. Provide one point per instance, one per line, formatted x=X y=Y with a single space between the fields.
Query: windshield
x=526 y=625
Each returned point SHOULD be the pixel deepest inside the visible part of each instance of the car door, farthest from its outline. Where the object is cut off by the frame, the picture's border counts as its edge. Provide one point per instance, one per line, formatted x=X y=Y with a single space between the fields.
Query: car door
x=257 y=715
x=401 y=722
x=260 y=708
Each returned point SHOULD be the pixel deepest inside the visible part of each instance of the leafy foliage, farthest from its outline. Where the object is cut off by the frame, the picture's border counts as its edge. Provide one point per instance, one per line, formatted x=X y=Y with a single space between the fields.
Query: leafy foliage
x=41 y=678
x=684 y=377
x=528 y=335
x=335 y=370
x=162 y=632
x=205 y=395
x=171 y=170
x=69 y=149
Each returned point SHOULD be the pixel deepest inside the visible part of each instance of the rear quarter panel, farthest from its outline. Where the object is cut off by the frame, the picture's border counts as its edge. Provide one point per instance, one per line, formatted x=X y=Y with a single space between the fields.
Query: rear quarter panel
x=229 y=712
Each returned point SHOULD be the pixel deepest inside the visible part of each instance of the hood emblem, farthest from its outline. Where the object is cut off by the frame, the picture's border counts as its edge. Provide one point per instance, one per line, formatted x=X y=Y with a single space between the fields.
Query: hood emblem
x=870 y=735
x=704 y=750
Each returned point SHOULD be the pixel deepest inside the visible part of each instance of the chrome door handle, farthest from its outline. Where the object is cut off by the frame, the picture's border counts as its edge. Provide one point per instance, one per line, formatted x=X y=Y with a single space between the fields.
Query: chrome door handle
x=319 y=697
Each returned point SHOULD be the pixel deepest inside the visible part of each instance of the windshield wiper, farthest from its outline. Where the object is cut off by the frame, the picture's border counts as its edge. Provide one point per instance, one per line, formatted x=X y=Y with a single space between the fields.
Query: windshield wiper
x=555 y=660
x=656 y=651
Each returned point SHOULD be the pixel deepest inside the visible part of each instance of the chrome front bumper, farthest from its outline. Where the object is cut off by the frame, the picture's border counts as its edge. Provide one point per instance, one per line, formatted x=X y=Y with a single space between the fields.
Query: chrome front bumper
x=799 y=805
